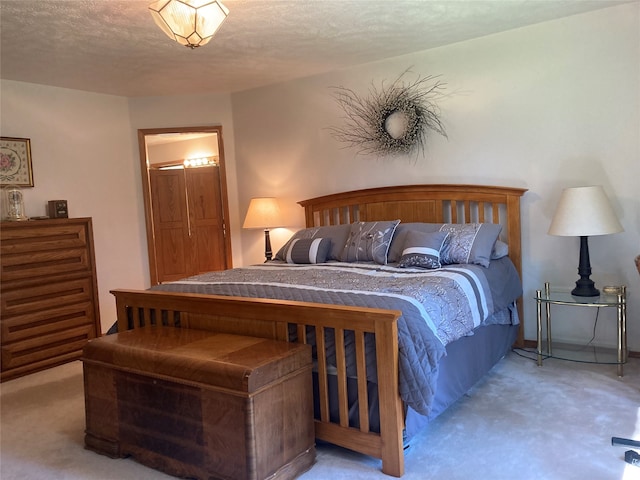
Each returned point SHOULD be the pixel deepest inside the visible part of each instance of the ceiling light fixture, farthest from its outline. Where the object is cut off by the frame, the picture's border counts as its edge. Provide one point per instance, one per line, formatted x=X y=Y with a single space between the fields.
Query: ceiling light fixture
x=191 y=23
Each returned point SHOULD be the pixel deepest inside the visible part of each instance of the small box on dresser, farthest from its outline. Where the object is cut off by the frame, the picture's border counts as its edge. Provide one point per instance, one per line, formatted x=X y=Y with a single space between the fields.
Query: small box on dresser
x=48 y=292
x=199 y=404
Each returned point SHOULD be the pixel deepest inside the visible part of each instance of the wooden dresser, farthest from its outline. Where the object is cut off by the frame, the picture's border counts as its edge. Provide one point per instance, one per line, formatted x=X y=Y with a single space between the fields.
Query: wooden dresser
x=48 y=292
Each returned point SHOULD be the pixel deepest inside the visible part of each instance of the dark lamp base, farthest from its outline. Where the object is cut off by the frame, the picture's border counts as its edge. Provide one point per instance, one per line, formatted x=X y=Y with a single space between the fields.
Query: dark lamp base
x=585 y=289
x=267 y=246
x=584 y=286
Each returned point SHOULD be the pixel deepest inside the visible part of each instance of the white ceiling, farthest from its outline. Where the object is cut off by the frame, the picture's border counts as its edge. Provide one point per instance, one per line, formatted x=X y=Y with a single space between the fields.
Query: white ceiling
x=114 y=47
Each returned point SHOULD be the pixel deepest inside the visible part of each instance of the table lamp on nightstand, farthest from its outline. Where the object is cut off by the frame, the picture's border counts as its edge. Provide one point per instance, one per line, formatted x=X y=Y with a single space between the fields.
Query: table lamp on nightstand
x=584 y=212
x=264 y=213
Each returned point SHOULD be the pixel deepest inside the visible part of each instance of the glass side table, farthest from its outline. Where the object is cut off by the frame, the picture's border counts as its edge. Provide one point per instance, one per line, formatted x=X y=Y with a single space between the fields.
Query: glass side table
x=549 y=296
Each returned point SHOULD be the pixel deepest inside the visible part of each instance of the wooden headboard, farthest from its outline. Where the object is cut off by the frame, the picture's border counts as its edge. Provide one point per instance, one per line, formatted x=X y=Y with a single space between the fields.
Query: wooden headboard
x=430 y=204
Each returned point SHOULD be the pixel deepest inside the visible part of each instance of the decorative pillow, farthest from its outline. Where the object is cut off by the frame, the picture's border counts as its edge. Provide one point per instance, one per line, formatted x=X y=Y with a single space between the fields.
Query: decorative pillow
x=369 y=241
x=469 y=242
x=422 y=249
x=308 y=250
x=400 y=235
x=500 y=249
x=337 y=234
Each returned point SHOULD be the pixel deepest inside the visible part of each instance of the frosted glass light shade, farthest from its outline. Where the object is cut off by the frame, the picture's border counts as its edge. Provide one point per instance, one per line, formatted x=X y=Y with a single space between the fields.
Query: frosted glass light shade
x=191 y=23
x=584 y=212
x=263 y=213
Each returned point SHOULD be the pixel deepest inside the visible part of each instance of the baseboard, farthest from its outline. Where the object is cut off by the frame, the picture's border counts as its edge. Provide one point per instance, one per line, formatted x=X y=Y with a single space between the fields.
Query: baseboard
x=534 y=344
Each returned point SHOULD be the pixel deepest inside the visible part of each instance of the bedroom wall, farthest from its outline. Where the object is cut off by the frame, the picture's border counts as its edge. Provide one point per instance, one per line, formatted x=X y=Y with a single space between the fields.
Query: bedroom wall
x=545 y=107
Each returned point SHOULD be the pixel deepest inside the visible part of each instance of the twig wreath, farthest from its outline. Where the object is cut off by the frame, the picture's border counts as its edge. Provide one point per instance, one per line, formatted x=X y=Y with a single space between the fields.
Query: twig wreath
x=392 y=120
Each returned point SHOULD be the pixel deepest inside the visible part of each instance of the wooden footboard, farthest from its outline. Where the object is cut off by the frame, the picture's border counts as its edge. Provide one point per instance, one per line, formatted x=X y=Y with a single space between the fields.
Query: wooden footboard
x=273 y=319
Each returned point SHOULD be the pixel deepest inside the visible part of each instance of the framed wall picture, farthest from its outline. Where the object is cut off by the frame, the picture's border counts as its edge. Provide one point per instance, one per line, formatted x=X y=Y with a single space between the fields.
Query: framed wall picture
x=15 y=162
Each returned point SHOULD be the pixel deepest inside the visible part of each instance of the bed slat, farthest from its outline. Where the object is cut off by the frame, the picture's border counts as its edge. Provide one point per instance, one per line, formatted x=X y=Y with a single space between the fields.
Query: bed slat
x=322 y=375
x=341 y=366
x=481 y=212
x=363 y=396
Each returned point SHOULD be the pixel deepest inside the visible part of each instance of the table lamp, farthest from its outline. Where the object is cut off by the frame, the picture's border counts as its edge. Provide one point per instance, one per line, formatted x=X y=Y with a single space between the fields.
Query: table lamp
x=584 y=212
x=264 y=213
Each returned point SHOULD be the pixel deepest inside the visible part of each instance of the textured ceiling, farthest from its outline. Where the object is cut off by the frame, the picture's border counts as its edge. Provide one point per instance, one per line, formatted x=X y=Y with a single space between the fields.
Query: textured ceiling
x=114 y=47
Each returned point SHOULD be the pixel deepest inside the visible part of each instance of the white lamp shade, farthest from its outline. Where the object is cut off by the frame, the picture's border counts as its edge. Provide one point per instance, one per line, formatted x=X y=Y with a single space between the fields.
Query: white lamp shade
x=263 y=213
x=584 y=212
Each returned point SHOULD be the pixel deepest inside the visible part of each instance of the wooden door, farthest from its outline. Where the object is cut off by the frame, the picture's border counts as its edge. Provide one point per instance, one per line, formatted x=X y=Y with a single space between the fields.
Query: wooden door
x=188 y=222
x=206 y=220
x=170 y=224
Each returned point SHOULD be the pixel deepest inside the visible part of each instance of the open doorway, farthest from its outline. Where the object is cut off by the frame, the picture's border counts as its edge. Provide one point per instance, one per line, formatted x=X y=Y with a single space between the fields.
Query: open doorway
x=186 y=207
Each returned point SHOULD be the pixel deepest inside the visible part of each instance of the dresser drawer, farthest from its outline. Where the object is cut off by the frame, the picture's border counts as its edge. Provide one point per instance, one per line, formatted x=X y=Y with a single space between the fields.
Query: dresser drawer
x=44 y=322
x=40 y=236
x=45 y=296
x=31 y=265
x=47 y=350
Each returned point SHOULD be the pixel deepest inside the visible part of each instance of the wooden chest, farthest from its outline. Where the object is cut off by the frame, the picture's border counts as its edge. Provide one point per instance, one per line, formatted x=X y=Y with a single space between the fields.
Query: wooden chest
x=200 y=404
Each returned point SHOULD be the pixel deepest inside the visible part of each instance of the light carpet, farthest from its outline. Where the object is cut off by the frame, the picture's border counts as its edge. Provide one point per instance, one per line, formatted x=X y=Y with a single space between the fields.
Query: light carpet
x=521 y=421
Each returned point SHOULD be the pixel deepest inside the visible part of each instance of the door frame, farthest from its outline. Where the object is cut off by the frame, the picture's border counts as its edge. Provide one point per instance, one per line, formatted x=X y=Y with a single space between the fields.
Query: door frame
x=146 y=190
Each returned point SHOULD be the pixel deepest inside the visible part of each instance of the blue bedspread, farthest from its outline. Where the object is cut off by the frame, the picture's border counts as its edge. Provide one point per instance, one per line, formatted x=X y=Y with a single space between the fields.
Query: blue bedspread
x=438 y=306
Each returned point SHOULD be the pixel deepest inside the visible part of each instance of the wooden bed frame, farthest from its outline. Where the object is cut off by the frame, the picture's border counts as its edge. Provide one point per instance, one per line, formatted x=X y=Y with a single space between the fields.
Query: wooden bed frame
x=272 y=318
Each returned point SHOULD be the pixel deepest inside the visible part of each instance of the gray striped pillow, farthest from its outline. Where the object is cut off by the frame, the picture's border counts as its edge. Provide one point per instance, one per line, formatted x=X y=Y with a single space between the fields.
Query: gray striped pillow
x=422 y=249
x=308 y=250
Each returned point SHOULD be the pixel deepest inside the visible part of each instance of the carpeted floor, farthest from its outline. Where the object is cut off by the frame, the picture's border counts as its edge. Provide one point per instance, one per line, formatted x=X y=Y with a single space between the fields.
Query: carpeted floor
x=521 y=421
